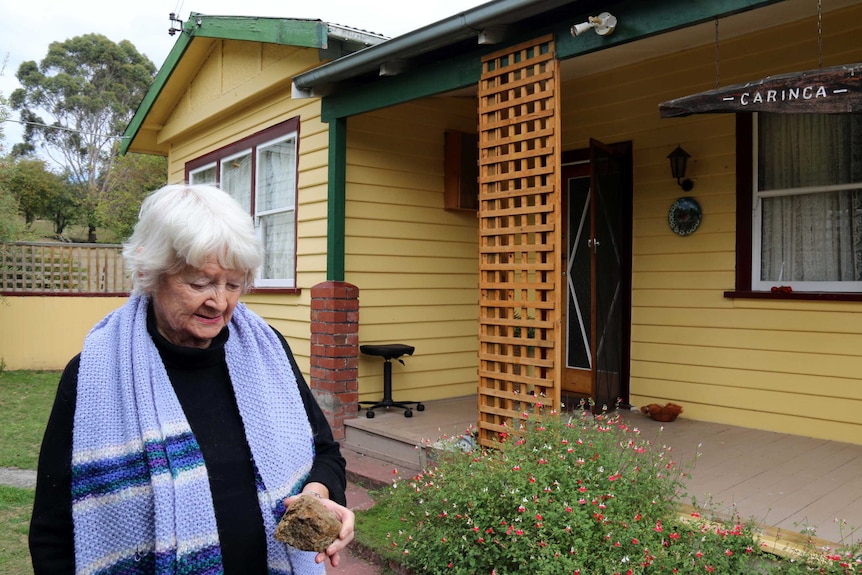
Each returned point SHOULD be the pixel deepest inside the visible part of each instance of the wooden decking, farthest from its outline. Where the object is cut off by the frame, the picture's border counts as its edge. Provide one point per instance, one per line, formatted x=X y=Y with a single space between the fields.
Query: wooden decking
x=786 y=482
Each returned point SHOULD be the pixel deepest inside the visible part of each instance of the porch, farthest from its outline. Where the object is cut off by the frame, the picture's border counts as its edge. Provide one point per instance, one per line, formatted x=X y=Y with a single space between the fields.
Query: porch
x=783 y=482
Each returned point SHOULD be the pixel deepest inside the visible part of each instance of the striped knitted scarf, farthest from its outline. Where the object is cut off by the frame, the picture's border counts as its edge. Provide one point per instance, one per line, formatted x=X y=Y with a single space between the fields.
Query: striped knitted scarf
x=141 y=500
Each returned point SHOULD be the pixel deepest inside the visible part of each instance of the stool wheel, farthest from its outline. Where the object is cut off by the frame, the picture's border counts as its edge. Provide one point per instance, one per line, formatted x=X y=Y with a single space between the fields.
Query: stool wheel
x=408 y=413
x=369 y=414
x=420 y=407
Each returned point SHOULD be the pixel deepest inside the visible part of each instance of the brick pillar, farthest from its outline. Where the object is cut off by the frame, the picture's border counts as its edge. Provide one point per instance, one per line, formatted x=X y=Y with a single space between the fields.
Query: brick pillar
x=335 y=351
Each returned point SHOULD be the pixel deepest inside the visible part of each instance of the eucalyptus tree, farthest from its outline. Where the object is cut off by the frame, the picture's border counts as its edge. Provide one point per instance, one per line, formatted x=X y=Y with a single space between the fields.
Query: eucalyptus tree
x=75 y=105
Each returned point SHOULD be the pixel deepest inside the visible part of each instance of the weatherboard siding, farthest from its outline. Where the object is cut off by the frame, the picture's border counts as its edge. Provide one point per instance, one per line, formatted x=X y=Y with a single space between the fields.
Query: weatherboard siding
x=415 y=264
x=787 y=366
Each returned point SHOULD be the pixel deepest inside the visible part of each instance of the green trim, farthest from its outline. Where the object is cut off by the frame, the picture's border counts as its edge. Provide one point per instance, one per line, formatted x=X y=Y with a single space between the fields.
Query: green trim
x=337 y=199
x=637 y=20
x=155 y=89
x=458 y=72
x=302 y=33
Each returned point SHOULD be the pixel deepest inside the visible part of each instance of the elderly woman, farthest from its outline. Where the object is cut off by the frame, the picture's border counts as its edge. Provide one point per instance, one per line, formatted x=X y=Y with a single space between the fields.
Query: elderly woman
x=184 y=427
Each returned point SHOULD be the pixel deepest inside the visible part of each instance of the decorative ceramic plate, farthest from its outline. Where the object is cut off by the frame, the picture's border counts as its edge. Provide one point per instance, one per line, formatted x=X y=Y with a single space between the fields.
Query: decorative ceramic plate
x=684 y=216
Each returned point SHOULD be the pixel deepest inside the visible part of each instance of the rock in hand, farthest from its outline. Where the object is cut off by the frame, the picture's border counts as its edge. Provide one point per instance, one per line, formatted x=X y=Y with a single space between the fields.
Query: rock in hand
x=308 y=526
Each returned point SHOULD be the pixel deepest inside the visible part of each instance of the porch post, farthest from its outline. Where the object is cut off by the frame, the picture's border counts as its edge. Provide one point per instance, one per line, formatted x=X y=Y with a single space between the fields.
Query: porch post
x=335 y=351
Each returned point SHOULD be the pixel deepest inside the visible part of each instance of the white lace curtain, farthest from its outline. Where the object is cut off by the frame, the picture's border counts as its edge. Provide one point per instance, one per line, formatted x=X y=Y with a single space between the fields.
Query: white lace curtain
x=810 y=185
x=275 y=208
x=236 y=179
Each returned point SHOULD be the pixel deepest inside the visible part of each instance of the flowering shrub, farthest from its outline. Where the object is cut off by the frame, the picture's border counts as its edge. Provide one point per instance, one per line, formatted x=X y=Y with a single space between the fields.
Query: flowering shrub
x=564 y=495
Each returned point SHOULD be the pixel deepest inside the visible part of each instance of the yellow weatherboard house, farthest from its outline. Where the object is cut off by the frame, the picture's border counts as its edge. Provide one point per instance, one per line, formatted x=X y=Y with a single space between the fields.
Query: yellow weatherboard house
x=629 y=202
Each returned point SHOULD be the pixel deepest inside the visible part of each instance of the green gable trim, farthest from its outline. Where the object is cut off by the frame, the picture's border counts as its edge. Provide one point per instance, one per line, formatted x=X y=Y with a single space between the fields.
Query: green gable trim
x=337 y=200
x=155 y=89
x=302 y=33
x=637 y=19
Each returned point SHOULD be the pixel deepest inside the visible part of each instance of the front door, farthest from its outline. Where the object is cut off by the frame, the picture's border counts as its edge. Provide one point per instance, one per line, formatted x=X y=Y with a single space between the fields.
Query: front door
x=597 y=223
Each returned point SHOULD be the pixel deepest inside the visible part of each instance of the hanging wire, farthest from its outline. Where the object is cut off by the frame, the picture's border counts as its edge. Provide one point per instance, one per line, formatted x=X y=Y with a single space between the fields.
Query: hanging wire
x=819 y=33
x=63 y=129
x=717 y=59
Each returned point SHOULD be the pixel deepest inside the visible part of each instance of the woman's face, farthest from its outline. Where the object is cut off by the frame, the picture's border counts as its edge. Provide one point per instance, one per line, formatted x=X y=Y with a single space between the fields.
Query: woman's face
x=193 y=306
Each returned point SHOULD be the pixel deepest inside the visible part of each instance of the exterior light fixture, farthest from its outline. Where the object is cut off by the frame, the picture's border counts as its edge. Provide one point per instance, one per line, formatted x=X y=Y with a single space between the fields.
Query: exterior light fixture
x=603 y=24
x=678 y=160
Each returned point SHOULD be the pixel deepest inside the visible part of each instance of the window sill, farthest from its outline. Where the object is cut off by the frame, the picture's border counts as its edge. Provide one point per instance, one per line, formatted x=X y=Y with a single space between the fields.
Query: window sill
x=275 y=290
x=796 y=295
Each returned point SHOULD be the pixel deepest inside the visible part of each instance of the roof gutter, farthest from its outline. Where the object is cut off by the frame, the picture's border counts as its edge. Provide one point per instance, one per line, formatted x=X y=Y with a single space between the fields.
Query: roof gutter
x=442 y=33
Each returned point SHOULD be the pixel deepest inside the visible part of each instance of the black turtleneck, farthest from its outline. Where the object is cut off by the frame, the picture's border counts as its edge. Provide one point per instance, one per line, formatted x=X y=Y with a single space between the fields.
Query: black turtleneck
x=202 y=384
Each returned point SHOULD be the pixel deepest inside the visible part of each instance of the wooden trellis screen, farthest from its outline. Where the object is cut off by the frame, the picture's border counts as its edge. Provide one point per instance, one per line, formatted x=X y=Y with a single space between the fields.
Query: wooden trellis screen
x=519 y=223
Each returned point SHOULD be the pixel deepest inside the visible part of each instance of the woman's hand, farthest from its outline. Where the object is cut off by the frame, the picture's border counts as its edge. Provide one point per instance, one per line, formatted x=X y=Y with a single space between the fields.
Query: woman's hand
x=345 y=515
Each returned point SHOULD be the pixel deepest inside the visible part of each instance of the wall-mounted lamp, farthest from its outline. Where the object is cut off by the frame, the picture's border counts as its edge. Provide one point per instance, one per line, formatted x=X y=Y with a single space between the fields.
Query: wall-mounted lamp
x=603 y=24
x=678 y=160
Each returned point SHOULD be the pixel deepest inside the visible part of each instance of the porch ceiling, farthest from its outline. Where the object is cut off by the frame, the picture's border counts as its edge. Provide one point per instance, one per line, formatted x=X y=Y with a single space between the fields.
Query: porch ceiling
x=684 y=39
x=695 y=36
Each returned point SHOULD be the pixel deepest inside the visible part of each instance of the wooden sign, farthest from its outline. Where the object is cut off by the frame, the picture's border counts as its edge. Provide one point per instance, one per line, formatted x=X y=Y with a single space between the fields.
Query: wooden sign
x=821 y=91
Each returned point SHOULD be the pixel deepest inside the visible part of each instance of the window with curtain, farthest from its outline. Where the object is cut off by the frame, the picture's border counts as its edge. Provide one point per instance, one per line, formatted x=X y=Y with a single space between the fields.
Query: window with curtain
x=807 y=227
x=260 y=172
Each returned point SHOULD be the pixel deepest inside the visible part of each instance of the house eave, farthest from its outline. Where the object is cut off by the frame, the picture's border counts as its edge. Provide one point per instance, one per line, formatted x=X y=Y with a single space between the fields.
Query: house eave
x=349 y=86
x=200 y=30
x=455 y=28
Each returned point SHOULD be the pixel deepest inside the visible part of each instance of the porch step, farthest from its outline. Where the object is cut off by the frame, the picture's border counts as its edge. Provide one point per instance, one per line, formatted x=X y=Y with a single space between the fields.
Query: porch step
x=407 y=443
x=383 y=448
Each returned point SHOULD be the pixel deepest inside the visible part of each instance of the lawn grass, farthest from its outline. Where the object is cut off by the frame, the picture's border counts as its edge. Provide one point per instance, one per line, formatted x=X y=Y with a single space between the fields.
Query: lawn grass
x=15 y=508
x=43 y=230
x=375 y=528
x=26 y=398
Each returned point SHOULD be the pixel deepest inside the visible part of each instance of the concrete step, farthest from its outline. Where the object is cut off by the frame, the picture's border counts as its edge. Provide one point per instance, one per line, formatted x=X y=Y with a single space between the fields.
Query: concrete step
x=407 y=445
x=385 y=449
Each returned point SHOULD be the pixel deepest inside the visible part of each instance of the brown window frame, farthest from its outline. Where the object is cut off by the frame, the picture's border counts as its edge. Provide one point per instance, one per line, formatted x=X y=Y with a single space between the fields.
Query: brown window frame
x=251 y=143
x=744 y=224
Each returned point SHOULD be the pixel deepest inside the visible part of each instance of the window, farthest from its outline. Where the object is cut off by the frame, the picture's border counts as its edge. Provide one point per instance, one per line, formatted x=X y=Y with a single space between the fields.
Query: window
x=806 y=231
x=260 y=172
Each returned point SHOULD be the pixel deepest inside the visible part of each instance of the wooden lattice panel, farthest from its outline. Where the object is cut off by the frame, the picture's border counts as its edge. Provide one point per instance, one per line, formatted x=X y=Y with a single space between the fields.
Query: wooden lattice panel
x=519 y=223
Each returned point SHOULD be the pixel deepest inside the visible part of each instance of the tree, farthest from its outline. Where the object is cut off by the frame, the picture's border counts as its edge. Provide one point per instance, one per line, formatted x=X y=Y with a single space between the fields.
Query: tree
x=39 y=192
x=132 y=177
x=9 y=227
x=64 y=208
x=88 y=88
x=4 y=104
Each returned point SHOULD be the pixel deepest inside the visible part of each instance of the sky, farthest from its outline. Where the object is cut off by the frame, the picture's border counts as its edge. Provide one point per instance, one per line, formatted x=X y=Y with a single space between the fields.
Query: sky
x=27 y=27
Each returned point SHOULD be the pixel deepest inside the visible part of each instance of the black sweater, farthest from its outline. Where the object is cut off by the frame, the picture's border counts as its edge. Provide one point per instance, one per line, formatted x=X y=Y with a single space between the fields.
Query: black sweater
x=201 y=382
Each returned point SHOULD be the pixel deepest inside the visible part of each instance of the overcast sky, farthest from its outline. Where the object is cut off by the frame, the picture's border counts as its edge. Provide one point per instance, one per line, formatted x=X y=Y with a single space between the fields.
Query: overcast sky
x=27 y=27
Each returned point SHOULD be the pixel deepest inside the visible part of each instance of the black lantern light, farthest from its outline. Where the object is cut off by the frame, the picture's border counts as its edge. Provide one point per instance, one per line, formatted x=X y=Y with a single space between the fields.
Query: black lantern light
x=678 y=160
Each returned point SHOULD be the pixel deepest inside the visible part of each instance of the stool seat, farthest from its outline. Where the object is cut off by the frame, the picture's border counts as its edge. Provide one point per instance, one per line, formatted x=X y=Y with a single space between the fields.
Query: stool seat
x=388 y=352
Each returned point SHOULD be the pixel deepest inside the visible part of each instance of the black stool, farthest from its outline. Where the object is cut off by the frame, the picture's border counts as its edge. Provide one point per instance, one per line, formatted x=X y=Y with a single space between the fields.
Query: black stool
x=389 y=352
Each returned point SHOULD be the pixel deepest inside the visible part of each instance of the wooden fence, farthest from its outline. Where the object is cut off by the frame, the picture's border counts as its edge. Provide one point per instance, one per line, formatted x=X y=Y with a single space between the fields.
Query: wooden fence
x=30 y=268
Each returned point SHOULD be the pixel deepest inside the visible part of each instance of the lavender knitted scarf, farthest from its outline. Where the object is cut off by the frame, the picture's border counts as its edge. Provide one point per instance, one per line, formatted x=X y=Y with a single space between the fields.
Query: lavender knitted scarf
x=141 y=500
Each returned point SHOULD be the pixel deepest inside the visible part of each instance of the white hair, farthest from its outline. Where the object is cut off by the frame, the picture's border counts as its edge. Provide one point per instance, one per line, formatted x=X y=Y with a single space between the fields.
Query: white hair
x=181 y=225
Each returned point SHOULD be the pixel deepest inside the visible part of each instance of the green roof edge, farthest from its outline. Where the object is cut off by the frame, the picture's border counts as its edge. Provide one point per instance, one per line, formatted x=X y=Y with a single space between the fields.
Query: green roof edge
x=639 y=20
x=301 y=33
